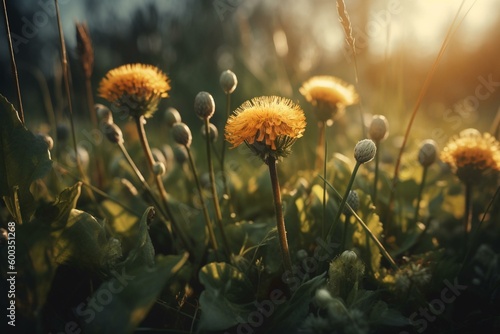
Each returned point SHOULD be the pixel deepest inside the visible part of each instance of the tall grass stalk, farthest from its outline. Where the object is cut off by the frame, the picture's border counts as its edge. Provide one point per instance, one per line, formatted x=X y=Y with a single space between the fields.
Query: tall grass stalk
x=65 y=71
x=13 y=64
x=384 y=252
x=423 y=91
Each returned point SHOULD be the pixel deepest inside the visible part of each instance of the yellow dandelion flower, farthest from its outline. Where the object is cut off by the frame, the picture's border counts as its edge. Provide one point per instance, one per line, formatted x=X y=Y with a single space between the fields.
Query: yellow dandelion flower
x=472 y=154
x=330 y=95
x=135 y=88
x=269 y=125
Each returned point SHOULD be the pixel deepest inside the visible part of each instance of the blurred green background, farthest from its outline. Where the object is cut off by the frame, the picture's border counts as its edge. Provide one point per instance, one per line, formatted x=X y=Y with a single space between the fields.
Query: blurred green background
x=273 y=46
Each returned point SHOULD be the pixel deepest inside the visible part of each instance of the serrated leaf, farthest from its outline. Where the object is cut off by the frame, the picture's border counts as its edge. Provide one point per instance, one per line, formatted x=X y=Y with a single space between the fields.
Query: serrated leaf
x=132 y=294
x=23 y=159
x=227 y=299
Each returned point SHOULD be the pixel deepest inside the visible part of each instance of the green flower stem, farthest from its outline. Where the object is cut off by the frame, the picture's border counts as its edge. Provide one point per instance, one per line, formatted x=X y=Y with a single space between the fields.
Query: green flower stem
x=384 y=252
x=211 y=234
x=325 y=155
x=475 y=234
x=344 y=200
x=321 y=143
x=148 y=189
x=468 y=211
x=223 y=154
x=420 y=192
x=139 y=121
x=375 y=178
x=218 y=214
x=280 y=220
x=344 y=234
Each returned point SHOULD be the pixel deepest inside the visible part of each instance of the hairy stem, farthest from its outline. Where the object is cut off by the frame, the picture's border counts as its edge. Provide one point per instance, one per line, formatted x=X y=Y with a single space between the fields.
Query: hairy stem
x=280 y=220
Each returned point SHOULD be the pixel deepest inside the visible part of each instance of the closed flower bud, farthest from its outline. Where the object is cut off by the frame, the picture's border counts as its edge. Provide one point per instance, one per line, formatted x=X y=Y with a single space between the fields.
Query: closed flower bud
x=345 y=274
x=228 y=81
x=323 y=298
x=365 y=151
x=182 y=134
x=62 y=132
x=180 y=154
x=112 y=132
x=159 y=168
x=172 y=116
x=47 y=139
x=204 y=105
x=302 y=254
x=103 y=113
x=214 y=133
x=353 y=201
x=428 y=152
x=379 y=128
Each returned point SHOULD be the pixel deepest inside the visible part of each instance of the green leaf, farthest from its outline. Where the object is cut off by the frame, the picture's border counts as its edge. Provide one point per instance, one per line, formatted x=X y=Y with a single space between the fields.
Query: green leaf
x=143 y=252
x=120 y=304
x=23 y=159
x=370 y=252
x=227 y=299
x=290 y=315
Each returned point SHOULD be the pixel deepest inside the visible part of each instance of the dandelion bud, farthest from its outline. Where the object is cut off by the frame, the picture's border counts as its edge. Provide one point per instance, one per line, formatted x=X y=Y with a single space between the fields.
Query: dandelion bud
x=103 y=113
x=113 y=132
x=182 y=134
x=323 y=298
x=345 y=274
x=353 y=201
x=172 y=116
x=427 y=153
x=213 y=132
x=159 y=168
x=83 y=158
x=379 y=127
x=204 y=105
x=365 y=151
x=47 y=139
x=228 y=81
x=180 y=154
x=302 y=254
x=62 y=132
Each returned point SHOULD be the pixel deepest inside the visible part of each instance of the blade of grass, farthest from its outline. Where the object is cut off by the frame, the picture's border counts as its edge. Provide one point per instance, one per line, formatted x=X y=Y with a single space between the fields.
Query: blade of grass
x=384 y=252
x=13 y=63
x=430 y=75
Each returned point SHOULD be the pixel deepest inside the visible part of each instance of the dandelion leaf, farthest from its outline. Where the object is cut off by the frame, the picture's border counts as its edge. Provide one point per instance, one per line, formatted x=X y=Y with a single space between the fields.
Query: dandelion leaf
x=133 y=292
x=24 y=158
x=227 y=299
